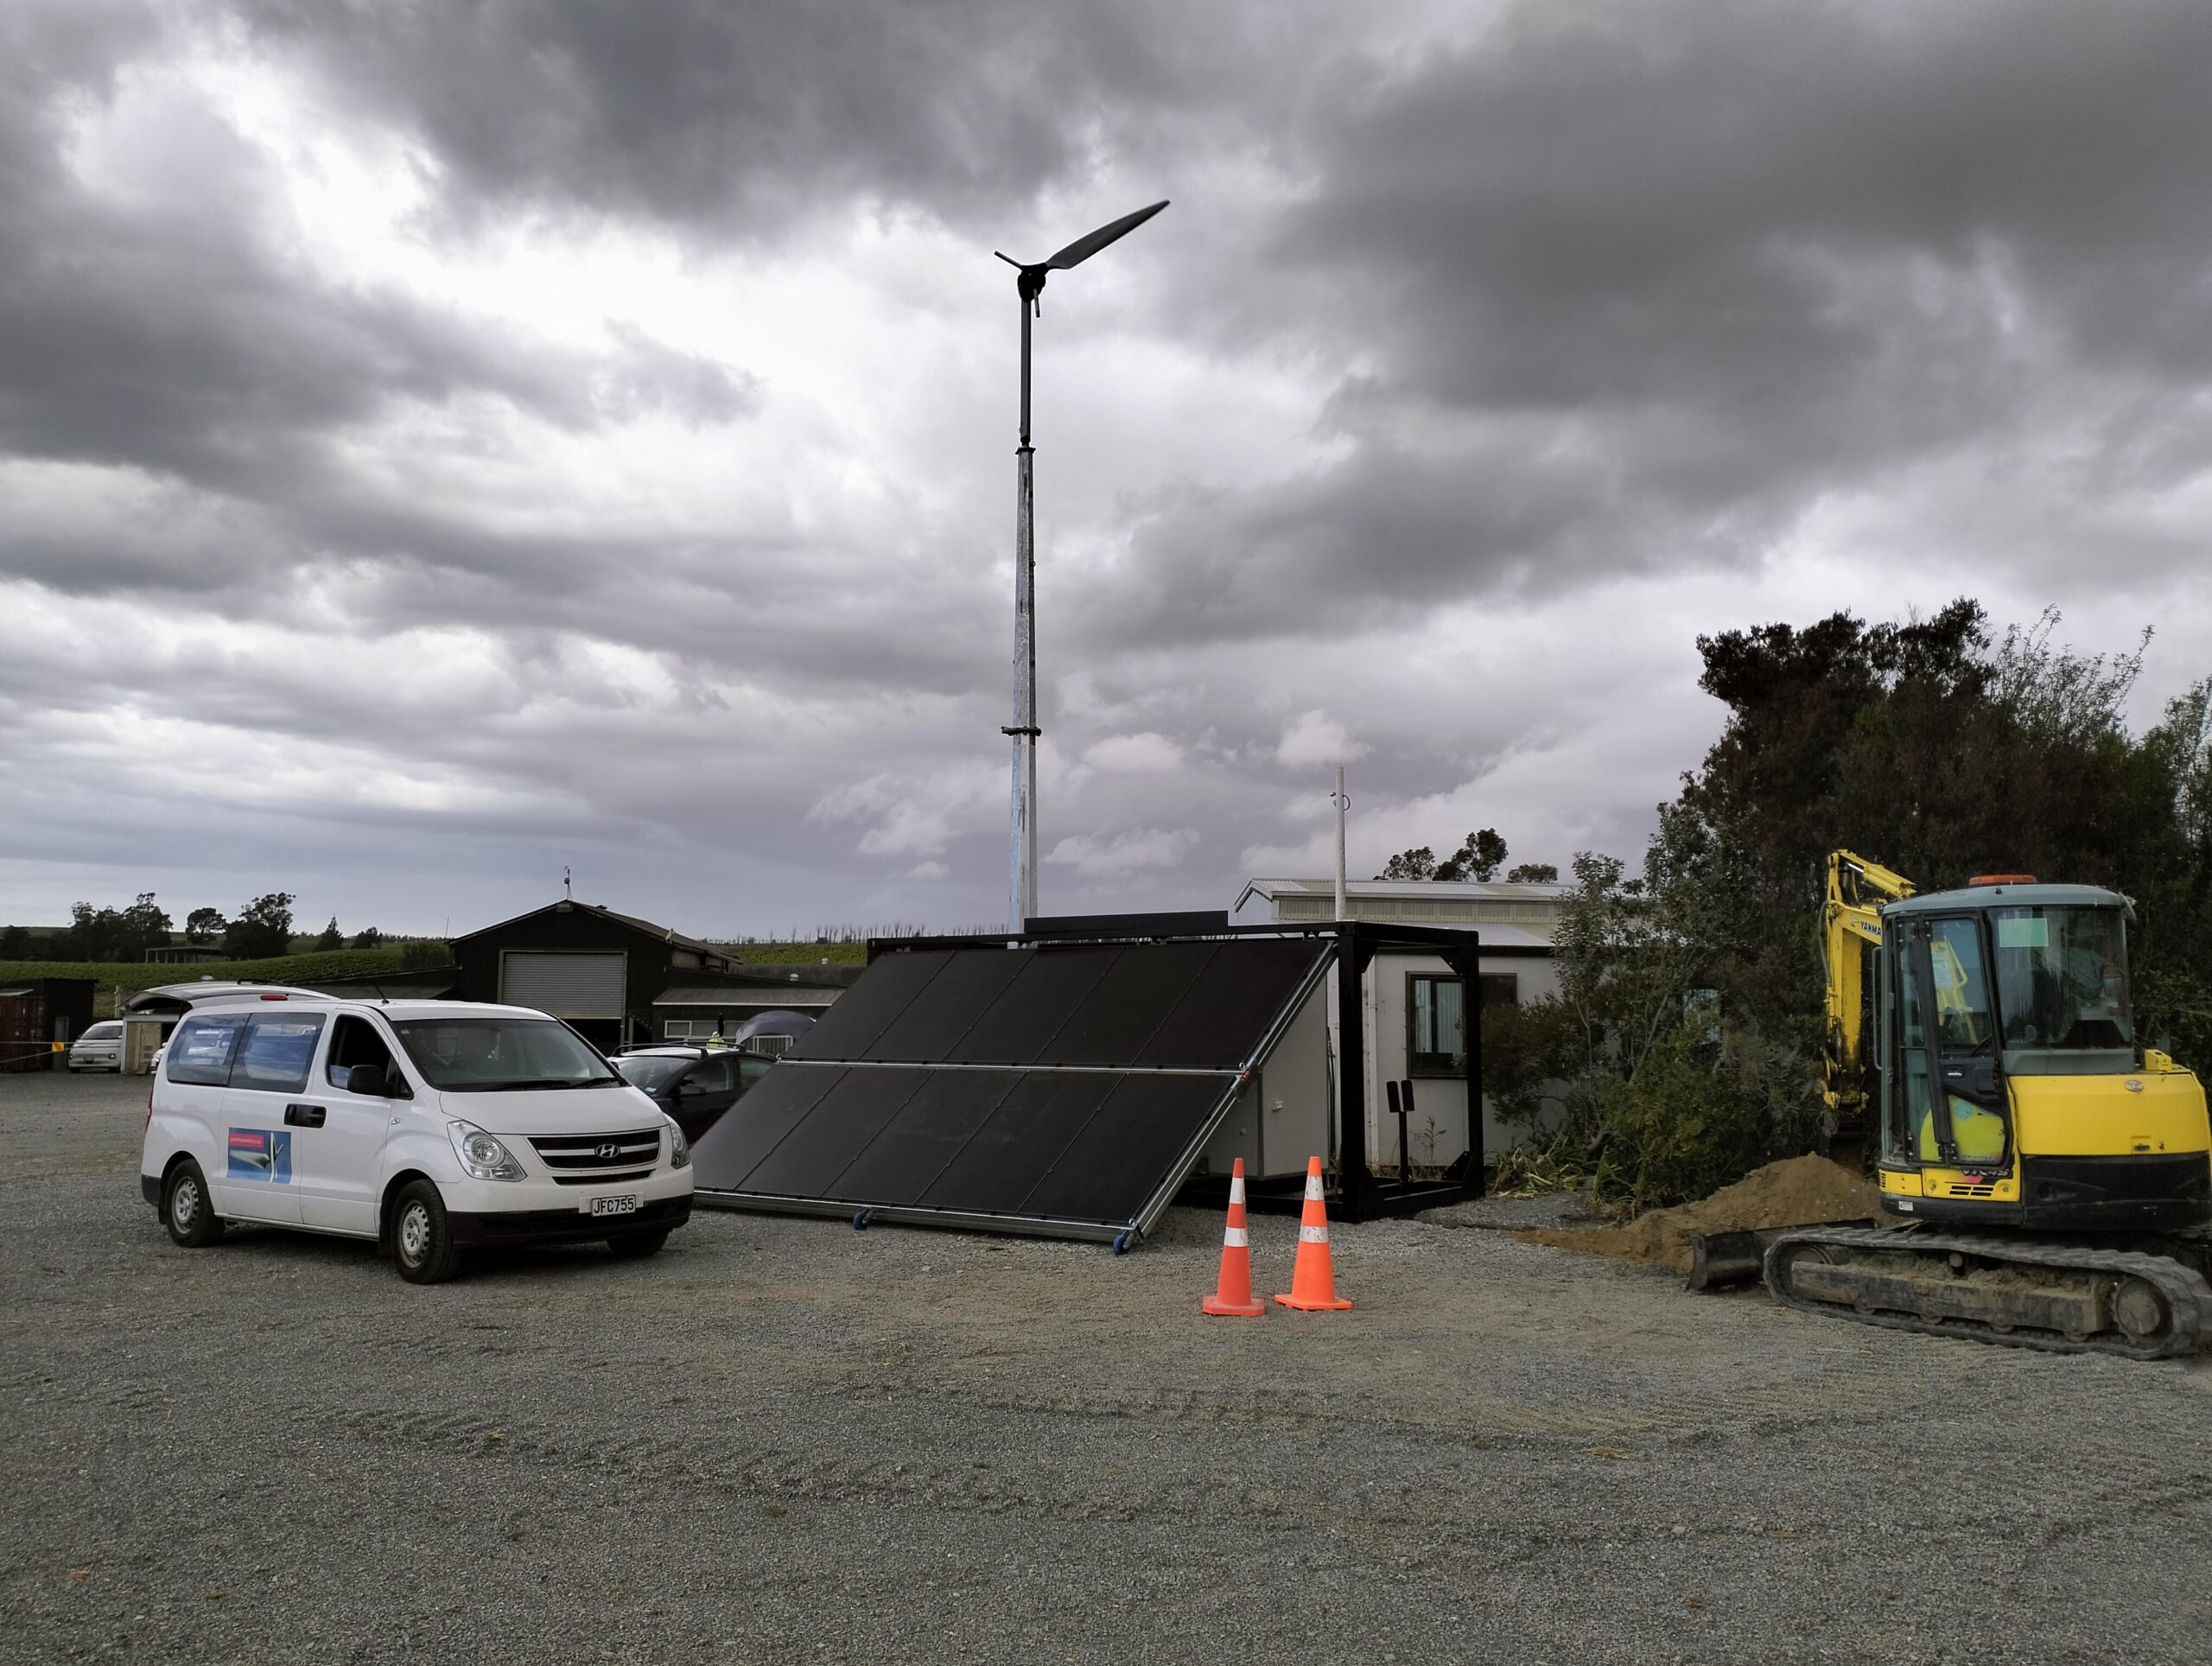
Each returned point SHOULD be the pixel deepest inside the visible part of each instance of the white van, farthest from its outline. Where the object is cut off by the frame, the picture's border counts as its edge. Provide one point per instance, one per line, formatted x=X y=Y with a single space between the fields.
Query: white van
x=428 y=1126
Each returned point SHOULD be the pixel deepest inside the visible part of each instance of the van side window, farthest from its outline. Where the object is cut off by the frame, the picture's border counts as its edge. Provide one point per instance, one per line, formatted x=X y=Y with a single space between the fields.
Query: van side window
x=200 y=1052
x=279 y=1048
x=355 y=1041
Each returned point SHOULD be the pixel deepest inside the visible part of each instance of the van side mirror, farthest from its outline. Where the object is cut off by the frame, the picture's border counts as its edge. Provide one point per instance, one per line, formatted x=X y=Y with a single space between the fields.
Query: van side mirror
x=368 y=1081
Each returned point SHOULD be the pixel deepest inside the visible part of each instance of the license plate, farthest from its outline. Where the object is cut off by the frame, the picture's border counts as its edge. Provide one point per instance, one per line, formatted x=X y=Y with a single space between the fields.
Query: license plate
x=625 y=1204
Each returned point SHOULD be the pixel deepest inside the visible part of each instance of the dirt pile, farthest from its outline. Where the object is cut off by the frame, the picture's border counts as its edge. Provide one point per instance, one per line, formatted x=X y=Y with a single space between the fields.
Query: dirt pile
x=1800 y=1192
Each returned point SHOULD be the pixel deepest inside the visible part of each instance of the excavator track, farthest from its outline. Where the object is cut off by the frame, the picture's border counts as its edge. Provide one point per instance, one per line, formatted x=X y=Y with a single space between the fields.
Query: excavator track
x=2019 y=1293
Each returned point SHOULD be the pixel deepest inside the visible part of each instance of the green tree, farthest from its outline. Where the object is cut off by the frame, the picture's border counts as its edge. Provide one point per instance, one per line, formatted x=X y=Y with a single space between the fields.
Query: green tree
x=1478 y=857
x=332 y=938
x=1931 y=747
x=112 y=934
x=204 y=926
x=15 y=944
x=367 y=939
x=263 y=928
x=1418 y=863
x=1536 y=872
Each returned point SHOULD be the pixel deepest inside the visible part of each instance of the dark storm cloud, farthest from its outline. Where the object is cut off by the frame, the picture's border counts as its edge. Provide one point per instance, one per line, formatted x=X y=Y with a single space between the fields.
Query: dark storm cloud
x=1631 y=286
x=1666 y=201
x=162 y=328
x=744 y=116
x=1384 y=534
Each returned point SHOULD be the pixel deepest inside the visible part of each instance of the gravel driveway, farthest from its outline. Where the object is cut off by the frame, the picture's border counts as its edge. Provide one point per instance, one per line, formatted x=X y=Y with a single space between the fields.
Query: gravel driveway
x=785 y=1440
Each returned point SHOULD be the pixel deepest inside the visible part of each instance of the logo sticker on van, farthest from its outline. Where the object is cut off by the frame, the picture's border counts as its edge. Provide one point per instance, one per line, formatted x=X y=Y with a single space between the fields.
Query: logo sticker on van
x=261 y=1153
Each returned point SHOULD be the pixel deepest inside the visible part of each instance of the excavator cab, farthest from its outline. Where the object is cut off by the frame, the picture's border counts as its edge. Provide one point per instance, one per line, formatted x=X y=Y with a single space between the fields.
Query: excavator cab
x=2010 y=1090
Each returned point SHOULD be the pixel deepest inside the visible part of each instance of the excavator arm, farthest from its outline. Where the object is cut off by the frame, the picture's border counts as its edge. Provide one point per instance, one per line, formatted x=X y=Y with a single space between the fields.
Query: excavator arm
x=1851 y=920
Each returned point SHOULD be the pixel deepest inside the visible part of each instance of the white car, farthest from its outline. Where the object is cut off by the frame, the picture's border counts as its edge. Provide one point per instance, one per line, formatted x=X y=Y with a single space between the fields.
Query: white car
x=425 y=1126
x=100 y=1047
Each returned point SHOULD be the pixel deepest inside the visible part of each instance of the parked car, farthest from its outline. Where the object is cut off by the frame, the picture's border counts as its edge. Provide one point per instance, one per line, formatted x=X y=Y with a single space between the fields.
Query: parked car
x=100 y=1047
x=427 y=1127
x=693 y=1084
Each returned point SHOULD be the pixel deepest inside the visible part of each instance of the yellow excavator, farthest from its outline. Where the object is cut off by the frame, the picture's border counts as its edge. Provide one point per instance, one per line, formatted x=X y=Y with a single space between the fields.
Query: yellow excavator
x=2054 y=1181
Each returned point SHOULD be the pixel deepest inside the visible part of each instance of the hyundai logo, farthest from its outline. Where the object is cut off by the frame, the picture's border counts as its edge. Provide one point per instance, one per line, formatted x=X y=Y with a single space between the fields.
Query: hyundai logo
x=608 y=1151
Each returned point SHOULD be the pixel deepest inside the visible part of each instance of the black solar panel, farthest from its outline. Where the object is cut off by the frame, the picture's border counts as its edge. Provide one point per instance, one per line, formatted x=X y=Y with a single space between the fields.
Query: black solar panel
x=1115 y=1061
x=740 y=1139
x=931 y=1129
x=962 y=990
x=1228 y=1011
x=859 y=1015
x=1122 y=1155
x=807 y=1161
x=1022 y=1138
x=1129 y=1005
x=1052 y=986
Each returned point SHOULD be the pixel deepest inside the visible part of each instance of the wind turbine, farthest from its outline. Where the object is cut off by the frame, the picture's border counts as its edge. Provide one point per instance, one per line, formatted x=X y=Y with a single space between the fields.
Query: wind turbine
x=1022 y=891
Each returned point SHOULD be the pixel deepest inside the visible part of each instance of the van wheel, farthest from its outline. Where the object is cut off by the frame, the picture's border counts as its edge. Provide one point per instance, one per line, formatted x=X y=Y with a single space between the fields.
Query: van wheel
x=422 y=1241
x=636 y=1246
x=187 y=1209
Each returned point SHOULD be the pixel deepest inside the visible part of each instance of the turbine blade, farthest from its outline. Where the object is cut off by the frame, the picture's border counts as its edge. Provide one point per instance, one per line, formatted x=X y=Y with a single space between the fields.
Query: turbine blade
x=1084 y=247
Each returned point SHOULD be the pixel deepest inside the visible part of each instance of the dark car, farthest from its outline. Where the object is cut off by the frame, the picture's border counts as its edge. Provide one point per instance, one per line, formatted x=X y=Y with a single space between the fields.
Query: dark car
x=694 y=1085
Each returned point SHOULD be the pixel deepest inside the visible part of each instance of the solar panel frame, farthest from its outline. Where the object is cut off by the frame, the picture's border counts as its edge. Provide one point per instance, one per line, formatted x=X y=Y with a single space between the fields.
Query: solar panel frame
x=1037 y=1120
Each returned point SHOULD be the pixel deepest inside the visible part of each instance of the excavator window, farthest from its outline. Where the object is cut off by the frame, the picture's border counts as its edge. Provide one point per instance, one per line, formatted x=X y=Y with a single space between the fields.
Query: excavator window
x=1961 y=985
x=1944 y=1018
x=1915 y=1060
x=2062 y=976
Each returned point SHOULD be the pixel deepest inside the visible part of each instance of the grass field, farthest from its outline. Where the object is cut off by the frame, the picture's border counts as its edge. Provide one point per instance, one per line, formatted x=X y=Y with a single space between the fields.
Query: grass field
x=346 y=963
x=797 y=954
x=286 y=969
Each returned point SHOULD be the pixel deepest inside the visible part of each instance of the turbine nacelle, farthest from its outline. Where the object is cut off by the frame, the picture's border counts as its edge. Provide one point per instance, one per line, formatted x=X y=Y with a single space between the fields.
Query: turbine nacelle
x=1030 y=276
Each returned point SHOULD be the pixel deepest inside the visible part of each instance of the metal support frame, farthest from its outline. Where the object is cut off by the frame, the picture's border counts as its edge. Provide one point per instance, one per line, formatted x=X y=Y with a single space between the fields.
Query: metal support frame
x=1467 y=965
x=1360 y=1196
x=1029 y=284
x=1021 y=881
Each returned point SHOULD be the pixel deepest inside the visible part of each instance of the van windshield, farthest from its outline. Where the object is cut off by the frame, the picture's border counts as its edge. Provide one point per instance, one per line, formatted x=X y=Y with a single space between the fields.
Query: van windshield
x=494 y=1055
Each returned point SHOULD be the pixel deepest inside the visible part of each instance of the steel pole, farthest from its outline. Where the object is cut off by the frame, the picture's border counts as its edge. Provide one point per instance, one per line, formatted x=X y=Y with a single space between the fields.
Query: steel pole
x=1022 y=883
x=1343 y=804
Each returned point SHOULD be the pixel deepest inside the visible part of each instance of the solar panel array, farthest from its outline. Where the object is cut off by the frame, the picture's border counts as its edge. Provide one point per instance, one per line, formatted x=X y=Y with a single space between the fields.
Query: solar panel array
x=1046 y=1087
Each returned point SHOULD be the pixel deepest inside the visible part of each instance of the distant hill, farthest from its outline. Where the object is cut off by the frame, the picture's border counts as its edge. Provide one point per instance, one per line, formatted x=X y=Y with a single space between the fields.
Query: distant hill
x=288 y=968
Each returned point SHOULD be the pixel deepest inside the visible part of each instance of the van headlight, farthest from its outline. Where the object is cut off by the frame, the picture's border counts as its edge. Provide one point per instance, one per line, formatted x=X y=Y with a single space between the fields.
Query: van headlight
x=483 y=1157
x=679 y=1148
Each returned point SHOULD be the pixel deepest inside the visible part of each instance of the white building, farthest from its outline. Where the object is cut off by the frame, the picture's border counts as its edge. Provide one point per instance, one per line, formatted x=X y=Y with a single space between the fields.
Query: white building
x=1414 y=1007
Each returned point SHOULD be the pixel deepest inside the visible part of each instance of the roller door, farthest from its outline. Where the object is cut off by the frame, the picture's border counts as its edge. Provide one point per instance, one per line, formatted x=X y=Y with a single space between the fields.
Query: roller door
x=566 y=985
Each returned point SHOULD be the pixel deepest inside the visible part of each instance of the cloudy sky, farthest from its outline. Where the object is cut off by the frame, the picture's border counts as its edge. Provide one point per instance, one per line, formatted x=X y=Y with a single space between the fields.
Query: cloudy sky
x=444 y=441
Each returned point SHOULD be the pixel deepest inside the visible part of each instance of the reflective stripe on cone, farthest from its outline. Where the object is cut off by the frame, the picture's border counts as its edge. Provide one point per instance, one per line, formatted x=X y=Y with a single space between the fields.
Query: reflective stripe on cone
x=1232 y=1297
x=1312 y=1281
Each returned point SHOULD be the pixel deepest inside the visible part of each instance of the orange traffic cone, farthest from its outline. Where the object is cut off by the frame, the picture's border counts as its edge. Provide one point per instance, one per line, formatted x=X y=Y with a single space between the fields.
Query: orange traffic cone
x=1313 y=1284
x=1233 y=1298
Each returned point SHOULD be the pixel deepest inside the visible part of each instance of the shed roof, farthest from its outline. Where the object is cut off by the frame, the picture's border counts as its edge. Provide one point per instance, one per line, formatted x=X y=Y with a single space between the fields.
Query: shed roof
x=1433 y=890
x=643 y=927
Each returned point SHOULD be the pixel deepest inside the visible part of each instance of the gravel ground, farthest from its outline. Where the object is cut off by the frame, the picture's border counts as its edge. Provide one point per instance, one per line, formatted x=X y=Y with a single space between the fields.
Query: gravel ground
x=783 y=1440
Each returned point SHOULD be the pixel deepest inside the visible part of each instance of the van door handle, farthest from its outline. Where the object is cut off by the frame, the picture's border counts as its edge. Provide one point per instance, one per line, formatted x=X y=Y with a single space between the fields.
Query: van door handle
x=303 y=1115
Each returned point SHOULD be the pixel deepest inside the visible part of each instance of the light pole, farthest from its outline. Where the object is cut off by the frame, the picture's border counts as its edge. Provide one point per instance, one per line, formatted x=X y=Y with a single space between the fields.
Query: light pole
x=1021 y=887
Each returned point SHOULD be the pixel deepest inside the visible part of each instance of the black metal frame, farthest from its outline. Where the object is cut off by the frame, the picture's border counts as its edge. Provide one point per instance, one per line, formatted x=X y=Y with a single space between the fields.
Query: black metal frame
x=1360 y=1195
